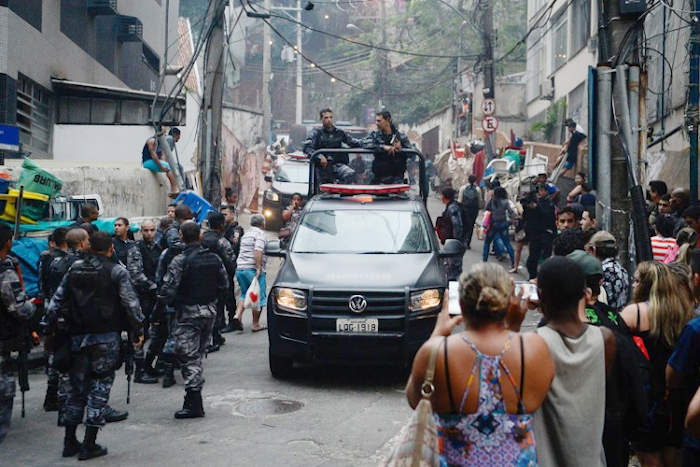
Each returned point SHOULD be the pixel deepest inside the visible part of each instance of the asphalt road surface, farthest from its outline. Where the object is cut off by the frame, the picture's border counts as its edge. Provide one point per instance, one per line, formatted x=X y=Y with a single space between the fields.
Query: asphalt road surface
x=329 y=416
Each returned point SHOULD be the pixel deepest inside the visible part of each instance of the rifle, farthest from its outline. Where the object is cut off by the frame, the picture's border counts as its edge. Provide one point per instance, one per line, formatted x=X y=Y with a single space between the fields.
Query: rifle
x=128 y=366
x=25 y=346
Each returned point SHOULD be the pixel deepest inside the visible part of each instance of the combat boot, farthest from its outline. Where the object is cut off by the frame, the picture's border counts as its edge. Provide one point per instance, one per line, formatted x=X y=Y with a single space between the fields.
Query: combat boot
x=90 y=449
x=71 y=446
x=141 y=375
x=51 y=399
x=112 y=415
x=150 y=369
x=192 y=407
x=169 y=378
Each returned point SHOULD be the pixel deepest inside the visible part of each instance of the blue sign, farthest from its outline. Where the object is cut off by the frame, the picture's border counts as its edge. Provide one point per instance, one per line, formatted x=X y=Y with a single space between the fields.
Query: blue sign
x=9 y=138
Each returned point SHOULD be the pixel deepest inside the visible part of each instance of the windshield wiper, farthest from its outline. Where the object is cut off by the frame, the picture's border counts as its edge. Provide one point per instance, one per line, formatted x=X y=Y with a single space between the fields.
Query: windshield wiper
x=378 y=253
x=311 y=252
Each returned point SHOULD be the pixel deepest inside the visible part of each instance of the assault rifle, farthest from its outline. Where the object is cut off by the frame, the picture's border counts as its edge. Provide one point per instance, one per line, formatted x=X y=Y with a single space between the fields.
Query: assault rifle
x=128 y=365
x=23 y=344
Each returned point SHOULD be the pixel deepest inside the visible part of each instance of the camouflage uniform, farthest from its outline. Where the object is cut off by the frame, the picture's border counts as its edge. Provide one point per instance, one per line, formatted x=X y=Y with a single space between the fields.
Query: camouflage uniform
x=60 y=381
x=95 y=355
x=15 y=308
x=195 y=322
x=172 y=244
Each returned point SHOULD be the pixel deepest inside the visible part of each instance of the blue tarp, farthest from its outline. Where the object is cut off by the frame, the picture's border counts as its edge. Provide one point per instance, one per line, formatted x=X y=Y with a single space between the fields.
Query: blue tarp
x=28 y=249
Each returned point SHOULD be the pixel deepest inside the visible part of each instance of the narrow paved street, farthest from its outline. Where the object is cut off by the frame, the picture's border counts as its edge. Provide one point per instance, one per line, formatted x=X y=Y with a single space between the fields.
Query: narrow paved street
x=342 y=416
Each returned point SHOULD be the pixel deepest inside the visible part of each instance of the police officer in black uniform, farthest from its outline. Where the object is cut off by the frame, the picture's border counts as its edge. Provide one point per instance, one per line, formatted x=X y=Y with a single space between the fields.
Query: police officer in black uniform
x=214 y=240
x=58 y=238
x=331 y=137
x=96 y=301
x=195 y=280
x=389 y=165
x=150 y=253
x=233 y=232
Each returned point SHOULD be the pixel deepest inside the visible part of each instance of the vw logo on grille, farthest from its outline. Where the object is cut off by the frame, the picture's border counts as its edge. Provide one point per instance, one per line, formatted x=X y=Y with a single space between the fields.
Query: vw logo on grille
x=357 y=303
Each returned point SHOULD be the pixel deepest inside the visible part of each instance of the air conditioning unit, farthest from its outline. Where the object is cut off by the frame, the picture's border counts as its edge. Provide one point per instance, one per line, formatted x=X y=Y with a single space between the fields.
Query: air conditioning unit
x=129 y=29
x=547 y=90
x=102 y=7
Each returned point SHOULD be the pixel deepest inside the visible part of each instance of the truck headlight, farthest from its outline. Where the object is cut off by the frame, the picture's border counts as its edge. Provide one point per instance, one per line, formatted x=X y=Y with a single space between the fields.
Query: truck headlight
x=291 y=299
x=272 y=196
x=424 y=300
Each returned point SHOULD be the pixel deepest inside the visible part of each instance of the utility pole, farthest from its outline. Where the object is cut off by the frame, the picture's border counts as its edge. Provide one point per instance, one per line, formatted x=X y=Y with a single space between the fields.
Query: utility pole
x=691 y=112
x=210 y=163
x=381 y=79
x=267 y=69
x=617 y=27
x=489 y=72
x=299 y=63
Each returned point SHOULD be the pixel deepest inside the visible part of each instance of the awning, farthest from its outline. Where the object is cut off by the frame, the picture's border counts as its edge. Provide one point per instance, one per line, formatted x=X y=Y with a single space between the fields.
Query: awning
x=92 y=104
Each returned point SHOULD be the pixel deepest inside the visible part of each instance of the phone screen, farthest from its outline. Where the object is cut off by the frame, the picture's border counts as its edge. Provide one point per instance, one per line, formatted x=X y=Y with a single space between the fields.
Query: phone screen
x=453 y=297
x=530 y=290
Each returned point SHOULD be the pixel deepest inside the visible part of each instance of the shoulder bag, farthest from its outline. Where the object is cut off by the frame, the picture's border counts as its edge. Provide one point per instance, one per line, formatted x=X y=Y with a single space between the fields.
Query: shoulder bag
x=418 y=444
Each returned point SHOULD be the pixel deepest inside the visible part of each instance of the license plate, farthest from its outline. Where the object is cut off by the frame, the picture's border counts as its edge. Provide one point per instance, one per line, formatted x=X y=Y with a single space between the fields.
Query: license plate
x=357 y=325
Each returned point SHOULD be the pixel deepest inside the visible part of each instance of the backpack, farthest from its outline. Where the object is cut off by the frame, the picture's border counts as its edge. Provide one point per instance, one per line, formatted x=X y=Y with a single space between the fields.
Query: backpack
x=443 y=227
x=471 y=196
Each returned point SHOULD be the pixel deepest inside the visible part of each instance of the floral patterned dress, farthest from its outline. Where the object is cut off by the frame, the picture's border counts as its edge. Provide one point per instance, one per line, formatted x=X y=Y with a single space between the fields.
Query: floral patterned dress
x=490 y=436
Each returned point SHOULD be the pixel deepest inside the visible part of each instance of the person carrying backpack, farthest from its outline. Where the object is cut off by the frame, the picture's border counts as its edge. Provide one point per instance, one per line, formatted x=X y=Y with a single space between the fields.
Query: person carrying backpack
x=470 y=198
x=452 y=219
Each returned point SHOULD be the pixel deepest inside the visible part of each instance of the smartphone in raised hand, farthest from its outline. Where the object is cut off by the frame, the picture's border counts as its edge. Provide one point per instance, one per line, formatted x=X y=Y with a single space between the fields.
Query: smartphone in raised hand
x=453 y=297
x=529 y=290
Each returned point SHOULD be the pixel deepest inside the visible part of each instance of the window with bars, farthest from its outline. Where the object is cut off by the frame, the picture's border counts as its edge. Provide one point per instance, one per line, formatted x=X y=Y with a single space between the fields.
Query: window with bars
x=559 y=41
x=33 y=116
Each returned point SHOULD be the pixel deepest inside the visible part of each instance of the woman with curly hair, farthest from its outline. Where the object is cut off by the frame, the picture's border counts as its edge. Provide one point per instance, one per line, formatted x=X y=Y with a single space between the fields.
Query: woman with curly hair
x=657 y=315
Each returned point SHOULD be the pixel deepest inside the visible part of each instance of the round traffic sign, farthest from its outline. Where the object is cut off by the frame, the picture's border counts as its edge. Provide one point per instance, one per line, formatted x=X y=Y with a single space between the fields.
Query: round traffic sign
x=489 y=124
x=488 y=107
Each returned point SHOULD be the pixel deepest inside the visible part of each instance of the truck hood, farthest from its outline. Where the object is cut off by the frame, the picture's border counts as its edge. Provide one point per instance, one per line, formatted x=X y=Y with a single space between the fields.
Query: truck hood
x=289 y=188
x=361 y=271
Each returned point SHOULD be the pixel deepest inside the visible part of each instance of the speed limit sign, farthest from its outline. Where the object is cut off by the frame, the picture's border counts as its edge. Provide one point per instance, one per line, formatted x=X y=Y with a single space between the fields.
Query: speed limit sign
x=488 y=106
x=489 y=124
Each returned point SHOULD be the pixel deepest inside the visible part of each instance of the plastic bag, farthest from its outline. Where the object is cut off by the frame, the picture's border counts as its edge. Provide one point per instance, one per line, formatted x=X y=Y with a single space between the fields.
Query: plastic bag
x=252 y=295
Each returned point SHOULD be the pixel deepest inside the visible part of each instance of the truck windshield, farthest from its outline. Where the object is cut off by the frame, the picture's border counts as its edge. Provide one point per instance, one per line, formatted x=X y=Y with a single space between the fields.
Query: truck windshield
x=362 y=231
x=293 y=172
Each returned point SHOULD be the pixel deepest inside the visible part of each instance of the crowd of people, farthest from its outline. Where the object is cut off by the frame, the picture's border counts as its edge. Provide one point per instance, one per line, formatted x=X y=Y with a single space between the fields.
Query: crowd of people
x=169 y=292
x=613 y=368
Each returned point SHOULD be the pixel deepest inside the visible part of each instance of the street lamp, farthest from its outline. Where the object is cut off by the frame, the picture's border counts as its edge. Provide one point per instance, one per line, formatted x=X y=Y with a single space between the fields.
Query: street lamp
x=352 y=26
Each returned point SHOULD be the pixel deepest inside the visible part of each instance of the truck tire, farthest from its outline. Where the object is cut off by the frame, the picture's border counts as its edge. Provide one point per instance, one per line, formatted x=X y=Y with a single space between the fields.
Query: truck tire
x=281 y=367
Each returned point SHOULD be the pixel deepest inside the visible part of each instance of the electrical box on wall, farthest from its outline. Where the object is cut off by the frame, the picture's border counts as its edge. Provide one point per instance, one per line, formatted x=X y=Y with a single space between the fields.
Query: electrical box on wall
x=632 y=7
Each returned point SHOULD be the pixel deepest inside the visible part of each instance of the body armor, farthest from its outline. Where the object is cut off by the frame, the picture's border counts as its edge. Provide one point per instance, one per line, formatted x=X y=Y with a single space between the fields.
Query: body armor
x=200 y=276
x=95 y=305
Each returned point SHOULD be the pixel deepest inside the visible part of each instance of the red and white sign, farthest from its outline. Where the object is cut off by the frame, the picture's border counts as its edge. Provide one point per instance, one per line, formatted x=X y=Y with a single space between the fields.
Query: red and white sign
x=488 y=107
x=490 y=124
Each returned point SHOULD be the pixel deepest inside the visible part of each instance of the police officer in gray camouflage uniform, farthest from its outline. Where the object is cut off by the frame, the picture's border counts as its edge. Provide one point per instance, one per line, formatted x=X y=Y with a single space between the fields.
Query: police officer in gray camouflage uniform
x=194 y=281
x=172 y=246
x=129 y=254
x=15 y=309
x=95 y=302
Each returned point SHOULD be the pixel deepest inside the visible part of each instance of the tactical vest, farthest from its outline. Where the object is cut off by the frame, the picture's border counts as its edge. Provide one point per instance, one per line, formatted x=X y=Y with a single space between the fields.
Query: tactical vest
x=95 y=305
x=57 y=271
x=200 y=277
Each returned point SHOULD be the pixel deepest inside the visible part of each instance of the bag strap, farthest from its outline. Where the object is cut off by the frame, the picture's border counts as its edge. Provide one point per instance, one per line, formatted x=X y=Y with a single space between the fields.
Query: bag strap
x=637 y=330
x=427 y=388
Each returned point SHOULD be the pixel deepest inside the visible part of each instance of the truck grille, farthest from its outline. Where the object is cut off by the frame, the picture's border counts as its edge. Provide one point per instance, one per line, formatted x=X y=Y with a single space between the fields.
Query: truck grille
x=378 y=303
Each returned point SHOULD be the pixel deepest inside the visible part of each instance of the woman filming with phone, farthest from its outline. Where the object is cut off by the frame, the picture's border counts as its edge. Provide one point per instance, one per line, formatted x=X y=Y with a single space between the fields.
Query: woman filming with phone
x=489 y=380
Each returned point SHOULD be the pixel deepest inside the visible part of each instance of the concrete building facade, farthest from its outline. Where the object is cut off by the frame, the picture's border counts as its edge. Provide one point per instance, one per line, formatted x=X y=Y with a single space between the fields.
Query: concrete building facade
x=82 y=62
